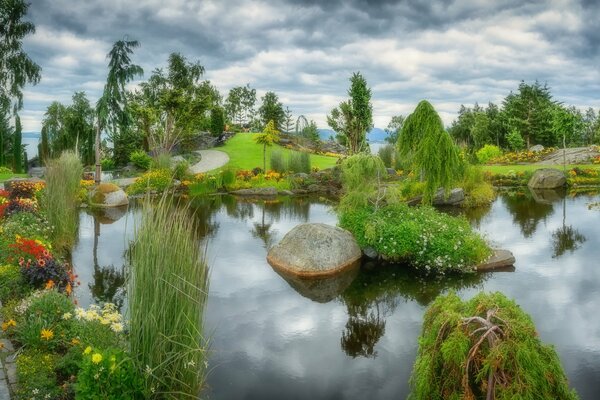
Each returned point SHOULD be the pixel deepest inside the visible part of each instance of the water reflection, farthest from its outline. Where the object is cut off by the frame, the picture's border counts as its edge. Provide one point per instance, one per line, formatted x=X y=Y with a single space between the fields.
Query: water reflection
x=526 y=211
x=566 y=238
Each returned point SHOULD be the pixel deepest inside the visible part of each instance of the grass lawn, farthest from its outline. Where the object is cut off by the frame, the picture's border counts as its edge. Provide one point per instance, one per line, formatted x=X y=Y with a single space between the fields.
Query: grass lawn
x=244 y=153
x=4 y=177
x=503 y=169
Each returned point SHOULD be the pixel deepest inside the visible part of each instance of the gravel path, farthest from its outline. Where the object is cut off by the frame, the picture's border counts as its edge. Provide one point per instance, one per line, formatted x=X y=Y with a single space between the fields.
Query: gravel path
x=211 y=159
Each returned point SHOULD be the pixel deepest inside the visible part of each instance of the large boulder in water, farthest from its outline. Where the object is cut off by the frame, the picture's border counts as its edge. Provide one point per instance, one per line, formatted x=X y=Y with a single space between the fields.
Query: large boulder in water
x=108 y=195
x=315 y=250
x=547 y=178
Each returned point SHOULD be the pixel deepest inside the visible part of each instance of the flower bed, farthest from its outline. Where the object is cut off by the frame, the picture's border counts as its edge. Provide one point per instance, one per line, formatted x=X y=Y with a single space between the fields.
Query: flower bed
x=519 y=157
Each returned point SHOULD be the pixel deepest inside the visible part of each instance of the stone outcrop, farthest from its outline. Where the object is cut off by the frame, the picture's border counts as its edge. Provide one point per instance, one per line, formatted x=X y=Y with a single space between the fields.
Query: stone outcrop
x=547 y=178
x=315 y=250
x=501 y=259
x=108 y=195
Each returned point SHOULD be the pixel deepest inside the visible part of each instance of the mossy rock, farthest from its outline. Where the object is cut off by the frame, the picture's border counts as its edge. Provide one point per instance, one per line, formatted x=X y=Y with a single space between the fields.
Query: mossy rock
x=108 y=195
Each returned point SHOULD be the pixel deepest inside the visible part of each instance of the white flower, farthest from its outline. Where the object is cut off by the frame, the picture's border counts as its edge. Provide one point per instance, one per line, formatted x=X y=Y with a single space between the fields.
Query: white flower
x=117 y=327
x=67 y=315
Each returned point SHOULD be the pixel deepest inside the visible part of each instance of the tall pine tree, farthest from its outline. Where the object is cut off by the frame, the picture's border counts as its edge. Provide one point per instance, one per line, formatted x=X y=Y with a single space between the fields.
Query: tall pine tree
x=17 y=148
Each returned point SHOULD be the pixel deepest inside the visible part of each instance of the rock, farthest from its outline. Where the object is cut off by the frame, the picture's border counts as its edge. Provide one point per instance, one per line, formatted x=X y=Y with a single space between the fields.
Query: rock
x=547 y=178
x=108 y=195
x=391 y=171
x=286 y=193
x=314 y=188
x=455 y=197
x=37 y=172
x=370 y=252
x=262 y=192
x=501 y=259
x=300 y=175
x=537 y=148
x=548 y=196
x=315 y=250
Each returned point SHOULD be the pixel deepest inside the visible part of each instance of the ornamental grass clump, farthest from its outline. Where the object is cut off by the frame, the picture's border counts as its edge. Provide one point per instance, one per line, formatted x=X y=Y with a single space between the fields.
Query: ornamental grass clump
x=484 y=348
x=422 y=237
x=167 y=294
x=63 y=176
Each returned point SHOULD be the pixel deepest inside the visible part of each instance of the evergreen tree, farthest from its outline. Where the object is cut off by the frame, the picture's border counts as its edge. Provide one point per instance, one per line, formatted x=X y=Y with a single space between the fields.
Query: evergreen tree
x=6 y=132
x=217 y=121
x=424 y=142
x=393 y=129
x=288 y=120
x=17 y=148
x=272 y=110
x=44 y=147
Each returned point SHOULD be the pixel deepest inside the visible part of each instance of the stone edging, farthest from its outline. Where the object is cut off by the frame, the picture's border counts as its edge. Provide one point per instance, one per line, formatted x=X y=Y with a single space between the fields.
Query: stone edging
x=8 y=367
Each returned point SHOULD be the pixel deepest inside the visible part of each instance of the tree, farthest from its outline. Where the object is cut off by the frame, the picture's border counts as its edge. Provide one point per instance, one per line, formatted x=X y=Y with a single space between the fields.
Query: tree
x=44 y=147
x=54 y=129
x=430 y=149
x=272 y=110
x=268 y=136
x=515 y=140
x=17 y=148
x=6 y=132
x=79 y=125
x=288 y=120
x=354 y=118
x=239 y=105
x=111 y=108
x=217 y=121
x=16 y=68
x=393 y=129
x=311 y=132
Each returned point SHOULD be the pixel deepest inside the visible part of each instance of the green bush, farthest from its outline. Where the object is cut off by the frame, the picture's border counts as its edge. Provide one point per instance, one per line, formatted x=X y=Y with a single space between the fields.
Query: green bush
x=227 y=177
x=157 y=180
x=5 y=171
x=361 y=175
x=108 y=374
x=298 y=162
x=488 y=152
x=277 y=162
x=140 y=159
x=420 y=236
x=515 y=140
x=107 y=164
x=478 y=192
x=181 y=170
x=11 y=283
x=161 y=161
x=37 y=376
x=451 y=364
x=386 y=153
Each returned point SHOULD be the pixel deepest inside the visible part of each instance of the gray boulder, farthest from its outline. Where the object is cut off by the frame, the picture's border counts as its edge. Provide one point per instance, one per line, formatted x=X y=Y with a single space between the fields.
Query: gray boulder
x=547 y=178
x=455 y=197
x=261 y=192
x=501 y=259
x=537 y=148
x=108 y=195
x=315 y=250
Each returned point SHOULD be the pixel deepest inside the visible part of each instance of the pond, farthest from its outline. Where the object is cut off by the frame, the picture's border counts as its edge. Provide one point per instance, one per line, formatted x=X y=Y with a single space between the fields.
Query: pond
x=356 y=337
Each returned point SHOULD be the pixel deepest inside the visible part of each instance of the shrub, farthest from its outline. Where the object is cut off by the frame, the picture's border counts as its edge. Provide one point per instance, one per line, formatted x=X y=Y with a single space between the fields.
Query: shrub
x=361 y=174
x=5 y=171
x=107 y=164
x=386 y=153
x=11 y=283
x=455 y=358
x=157 y=180
x=487 y=153
x=167 y=294
x=299 y=162
x=140 y=159
x=108 y=374
x=420 y=236
x=161 y=161
x=36 y=375
x=181 y=170
x=60 y=199
x=228 y=177
x=515 y=140
x=478 y=192
x=277 y=163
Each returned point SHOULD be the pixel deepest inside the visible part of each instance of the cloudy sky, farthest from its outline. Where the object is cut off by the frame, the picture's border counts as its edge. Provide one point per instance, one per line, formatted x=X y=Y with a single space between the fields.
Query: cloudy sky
x=450 y=52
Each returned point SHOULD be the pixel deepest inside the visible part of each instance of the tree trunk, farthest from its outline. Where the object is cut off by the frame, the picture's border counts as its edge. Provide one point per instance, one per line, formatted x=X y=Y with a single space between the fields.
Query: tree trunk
x=265 y=158
x=98 y=164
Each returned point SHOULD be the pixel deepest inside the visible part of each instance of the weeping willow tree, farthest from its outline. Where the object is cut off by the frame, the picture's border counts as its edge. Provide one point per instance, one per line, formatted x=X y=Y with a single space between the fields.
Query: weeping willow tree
x=361 y=176
x=429 y=148
x=484 y=348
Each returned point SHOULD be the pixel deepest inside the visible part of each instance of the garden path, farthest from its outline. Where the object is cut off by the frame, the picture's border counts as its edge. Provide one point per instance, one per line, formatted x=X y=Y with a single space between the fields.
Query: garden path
x=211 y=159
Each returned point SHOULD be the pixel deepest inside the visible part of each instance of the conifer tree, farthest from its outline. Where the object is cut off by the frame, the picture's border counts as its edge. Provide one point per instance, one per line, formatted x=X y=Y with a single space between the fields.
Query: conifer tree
x=17 y=149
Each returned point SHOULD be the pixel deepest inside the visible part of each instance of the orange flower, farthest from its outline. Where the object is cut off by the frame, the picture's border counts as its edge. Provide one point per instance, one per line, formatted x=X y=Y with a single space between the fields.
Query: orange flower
x=68 y=289
x=49 y=284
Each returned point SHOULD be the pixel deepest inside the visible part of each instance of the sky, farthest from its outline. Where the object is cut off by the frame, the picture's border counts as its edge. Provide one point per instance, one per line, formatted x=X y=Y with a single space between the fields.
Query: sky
x=450 y=52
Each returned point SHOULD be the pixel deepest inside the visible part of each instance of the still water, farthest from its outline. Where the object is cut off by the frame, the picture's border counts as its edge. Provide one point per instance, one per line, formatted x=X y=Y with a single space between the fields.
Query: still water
x=356 y=337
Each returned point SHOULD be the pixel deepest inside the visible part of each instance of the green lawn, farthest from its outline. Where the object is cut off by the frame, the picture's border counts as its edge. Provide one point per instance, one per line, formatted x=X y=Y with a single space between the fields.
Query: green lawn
x=503 y=169
x=244 y=153
x=4 y=177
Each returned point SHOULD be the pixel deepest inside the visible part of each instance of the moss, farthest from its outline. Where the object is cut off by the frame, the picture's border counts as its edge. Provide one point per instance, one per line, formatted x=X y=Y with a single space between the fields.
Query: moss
x=100 y=192
x=456 y=359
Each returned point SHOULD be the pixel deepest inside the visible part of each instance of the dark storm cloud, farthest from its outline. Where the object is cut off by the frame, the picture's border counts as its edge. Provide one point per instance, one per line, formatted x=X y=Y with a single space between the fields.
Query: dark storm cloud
x=450 y=51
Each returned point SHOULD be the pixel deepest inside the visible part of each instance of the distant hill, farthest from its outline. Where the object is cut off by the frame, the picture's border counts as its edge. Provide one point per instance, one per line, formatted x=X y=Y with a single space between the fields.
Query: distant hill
x=376 y=135
x=31 y=135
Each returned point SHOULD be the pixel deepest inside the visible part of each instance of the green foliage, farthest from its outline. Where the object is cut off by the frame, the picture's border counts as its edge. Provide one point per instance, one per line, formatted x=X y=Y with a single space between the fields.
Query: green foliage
x=420 y=236
x=181 y=170
x=272 y=110
x=107 y=164
x=515 y=140
x=299 y=162
x=268 y=136
x=487 y=153
x=36 y=374
x=140 y=159
x=157 y=180
x=431 y=150
x=11 y=283
x=109 y=374
x=394 y=128
x=228 y=176
x=161 y=161
x=354 y=117
x=311 y=132
x=450 y=364
x=166 y=330
x=16 y=68
x=239 y=105
x=386 y=153
x=277 y=162
x=63 y=177
x=17 y=148
x=217 y=121
x=361 y=174
x=478 y=192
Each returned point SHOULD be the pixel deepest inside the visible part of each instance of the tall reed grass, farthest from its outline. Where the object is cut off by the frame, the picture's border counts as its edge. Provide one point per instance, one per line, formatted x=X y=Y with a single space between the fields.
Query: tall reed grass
x=168 y=287
x=63 y=177
x=299 y=162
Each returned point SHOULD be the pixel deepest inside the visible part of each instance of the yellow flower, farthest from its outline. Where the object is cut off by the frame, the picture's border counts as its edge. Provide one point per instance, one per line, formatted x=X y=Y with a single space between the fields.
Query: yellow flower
x=87 y=350
x=96 y=358
x=46 y=334
x=75 y=342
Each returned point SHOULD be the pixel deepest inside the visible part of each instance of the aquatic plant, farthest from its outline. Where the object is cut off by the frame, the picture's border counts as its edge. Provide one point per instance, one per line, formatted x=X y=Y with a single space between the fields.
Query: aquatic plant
x=167 y=293
x=486 y=347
